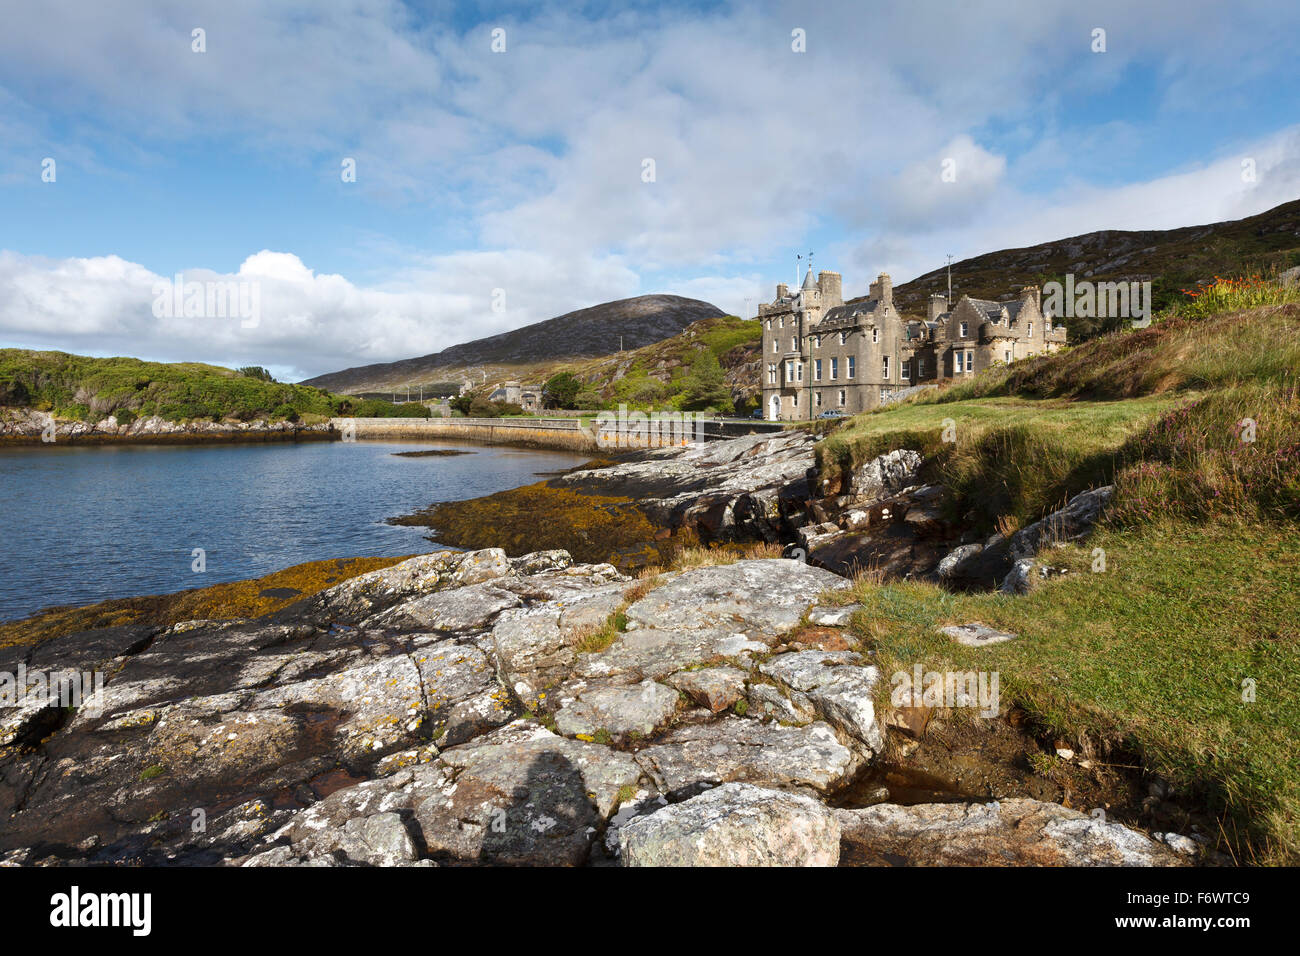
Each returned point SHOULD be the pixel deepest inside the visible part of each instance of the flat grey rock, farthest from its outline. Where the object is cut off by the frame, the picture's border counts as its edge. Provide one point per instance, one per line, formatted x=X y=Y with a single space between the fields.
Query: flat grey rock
x=976 y=634
x=634 y=709
x=735 y=824
x=748 y=751
x=1016 y=832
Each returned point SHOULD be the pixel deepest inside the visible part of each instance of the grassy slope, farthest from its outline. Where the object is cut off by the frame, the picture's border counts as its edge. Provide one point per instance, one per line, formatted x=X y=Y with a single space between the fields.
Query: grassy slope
x=90 y=389
x=1201 y=570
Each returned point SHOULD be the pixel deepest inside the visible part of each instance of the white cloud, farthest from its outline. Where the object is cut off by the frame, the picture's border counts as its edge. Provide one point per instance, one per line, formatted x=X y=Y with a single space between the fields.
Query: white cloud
x=309 y=323
x=534 y=157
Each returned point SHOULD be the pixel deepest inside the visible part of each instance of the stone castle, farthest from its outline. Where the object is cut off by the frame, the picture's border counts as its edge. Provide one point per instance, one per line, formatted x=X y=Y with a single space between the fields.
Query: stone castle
x=820 y=353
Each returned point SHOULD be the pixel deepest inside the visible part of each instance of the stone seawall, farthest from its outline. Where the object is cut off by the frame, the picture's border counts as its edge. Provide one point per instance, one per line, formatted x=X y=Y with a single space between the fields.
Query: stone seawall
x=529 y=433
x=570 y=435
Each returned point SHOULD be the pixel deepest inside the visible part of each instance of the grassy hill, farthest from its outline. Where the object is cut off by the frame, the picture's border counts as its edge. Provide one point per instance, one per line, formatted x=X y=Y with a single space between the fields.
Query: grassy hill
x=1172 y=259
x=659 y=375
x=91 y=389
x=1181 y=649
x=528 y=352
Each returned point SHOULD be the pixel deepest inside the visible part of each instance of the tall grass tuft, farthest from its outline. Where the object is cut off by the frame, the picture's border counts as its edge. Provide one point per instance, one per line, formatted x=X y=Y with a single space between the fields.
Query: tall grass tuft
x=1234 y=452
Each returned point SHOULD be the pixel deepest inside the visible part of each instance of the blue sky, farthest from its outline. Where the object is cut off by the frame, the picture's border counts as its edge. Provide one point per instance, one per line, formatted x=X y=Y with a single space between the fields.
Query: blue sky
x=521 y=170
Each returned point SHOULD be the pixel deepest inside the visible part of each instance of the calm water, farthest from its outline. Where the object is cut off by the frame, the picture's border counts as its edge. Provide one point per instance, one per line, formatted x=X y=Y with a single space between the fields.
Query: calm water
x=82 y=525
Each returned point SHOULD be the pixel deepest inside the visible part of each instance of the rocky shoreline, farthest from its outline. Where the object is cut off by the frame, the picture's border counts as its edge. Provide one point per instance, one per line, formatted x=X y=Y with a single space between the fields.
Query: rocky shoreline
x=27 y=427
x=483 y=708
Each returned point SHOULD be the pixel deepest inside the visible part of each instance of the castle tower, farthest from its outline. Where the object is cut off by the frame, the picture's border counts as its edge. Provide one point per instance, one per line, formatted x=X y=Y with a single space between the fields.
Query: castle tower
x=831 y=285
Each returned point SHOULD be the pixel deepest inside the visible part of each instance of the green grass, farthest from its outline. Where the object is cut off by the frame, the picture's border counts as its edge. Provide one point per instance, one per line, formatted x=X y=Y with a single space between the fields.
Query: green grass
x=90 y=389
x=1149 y=654
x=1178 y=352
x=1011 y=458
x=1164 y=412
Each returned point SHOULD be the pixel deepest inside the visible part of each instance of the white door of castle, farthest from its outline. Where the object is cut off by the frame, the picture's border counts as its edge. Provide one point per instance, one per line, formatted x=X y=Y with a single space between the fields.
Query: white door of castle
x=774 y=412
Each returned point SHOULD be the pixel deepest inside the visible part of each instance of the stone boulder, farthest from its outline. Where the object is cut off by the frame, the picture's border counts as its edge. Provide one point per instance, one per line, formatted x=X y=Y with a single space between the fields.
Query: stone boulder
x=734 y=825
x=885 y=475
x=621 y=711
x=716 y=688
x=840 y=689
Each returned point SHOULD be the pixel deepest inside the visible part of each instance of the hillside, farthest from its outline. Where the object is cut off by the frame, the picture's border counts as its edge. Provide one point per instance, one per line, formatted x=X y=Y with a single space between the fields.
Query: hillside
x=654 y=376
x=79 y=388
x=1172 y=259
x=521 y=353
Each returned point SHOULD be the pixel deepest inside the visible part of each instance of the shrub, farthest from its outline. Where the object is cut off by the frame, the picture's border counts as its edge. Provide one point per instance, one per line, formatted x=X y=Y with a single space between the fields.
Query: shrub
x=561 y=391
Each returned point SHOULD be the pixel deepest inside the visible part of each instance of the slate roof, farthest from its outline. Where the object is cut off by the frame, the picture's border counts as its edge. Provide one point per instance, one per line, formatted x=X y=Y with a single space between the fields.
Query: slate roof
x=843 y=313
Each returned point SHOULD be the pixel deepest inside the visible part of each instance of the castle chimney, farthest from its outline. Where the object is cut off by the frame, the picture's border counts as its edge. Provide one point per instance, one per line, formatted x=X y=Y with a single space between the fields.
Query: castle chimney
x=782 y=290
x=883 y=289
x=938 y=305
x=1035 y=293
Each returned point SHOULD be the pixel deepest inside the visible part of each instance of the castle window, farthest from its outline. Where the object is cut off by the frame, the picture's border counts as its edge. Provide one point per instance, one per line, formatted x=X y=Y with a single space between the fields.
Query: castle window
x=817 y=341
x=904 y=371
x=817 y=370
x=957 y=360
x=841 y=397
x=776 y=346
x=970 y=361
x=789 y=371
x=920 y=368
x=1031 y=329
x=852 y=368
x=964 y=329
x=843 y=337
x=794 y=343
x=818 y=397
x=794 y=400
x=875 y=335
x=799 y=367
x=835 y=369
x=769 y=325
x=1007 y=357
x=781 y=322
x=884 y=368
